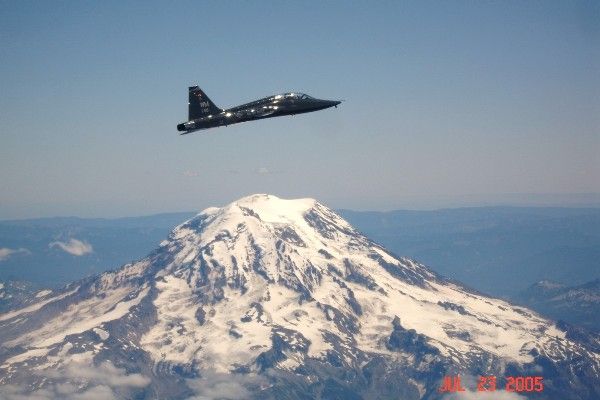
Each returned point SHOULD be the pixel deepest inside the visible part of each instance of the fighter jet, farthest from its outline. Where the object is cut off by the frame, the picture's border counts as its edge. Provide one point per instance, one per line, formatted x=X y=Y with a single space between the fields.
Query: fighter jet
x=204 y=114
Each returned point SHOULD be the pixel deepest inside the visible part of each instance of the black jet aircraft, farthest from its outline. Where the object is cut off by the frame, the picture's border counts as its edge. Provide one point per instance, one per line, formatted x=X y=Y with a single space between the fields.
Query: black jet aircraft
x=203 y=113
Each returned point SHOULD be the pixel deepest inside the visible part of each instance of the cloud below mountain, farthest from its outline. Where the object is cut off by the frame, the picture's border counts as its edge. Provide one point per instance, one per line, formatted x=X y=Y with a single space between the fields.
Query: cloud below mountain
x=105 y=374
x=218 y=386
x=104 y=381
x=74 y=247
x=5 y=252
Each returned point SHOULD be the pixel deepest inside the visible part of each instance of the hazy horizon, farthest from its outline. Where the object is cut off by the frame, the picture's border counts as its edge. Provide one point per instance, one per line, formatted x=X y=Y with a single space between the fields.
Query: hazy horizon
x=414 y=203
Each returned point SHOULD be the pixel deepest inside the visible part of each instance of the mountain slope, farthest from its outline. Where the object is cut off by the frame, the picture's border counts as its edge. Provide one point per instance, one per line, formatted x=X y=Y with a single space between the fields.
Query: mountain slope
x=282 y=299
x=14 y=294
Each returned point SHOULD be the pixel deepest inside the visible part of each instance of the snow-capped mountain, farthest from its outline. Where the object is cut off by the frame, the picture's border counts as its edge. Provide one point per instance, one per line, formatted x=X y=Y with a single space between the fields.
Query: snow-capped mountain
x=279 y=299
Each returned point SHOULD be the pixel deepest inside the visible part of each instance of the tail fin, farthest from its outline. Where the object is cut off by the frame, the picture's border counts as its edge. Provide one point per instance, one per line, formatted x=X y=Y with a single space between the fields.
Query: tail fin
x=200 y=105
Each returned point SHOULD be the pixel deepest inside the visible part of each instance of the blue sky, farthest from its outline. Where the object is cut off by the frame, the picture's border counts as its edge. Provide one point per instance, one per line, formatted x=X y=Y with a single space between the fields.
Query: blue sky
x=447 y=104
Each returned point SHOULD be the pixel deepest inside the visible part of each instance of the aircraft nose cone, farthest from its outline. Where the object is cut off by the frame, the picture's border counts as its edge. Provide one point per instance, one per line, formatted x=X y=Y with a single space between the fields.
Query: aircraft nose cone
x=332 y=103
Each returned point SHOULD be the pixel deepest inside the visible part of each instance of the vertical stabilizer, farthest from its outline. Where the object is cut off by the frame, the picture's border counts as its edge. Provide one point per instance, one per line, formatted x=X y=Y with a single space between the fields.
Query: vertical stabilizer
x=200 y=105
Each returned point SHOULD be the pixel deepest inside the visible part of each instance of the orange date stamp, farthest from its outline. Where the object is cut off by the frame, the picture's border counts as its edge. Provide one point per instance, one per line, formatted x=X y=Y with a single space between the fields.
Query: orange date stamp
x=519 y=384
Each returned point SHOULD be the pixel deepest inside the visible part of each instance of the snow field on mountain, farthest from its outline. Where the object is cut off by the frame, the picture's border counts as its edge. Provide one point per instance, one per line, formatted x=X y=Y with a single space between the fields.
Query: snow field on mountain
x=80 y=317
x=35 y=306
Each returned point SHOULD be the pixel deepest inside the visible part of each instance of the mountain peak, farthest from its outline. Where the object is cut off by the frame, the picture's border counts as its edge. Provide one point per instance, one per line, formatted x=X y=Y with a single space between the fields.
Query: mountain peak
x=271 y=200
x=268 y=219
x=271 y=208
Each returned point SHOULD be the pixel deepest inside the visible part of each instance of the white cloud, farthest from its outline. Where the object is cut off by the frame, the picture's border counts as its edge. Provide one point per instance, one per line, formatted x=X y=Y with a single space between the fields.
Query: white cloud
x=263 y=171
x=85 y=382
x=94 y=393
x=5 y=252
x=64 y=391
x=191 y=173
x=219 y=386
x=106 y=374
x=74 y=247
x=267 y=171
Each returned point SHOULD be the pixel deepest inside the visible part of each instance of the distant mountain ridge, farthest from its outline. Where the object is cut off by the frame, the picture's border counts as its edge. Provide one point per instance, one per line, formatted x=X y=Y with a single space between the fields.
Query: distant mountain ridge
x=577 y=304
x=161 y=220
x=283 y=299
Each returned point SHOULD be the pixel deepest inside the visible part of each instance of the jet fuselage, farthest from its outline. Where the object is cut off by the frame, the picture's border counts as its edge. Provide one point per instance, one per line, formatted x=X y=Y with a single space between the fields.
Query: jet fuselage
x=203 y=114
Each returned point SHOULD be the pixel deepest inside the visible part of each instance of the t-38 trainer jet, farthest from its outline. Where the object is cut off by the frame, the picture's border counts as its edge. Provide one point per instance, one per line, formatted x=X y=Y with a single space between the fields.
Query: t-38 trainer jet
x=203 y=113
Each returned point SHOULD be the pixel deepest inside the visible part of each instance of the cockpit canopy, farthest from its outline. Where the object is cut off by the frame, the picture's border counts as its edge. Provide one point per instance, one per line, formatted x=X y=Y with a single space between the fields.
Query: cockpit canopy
x=293 y=95
x=300 y=96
